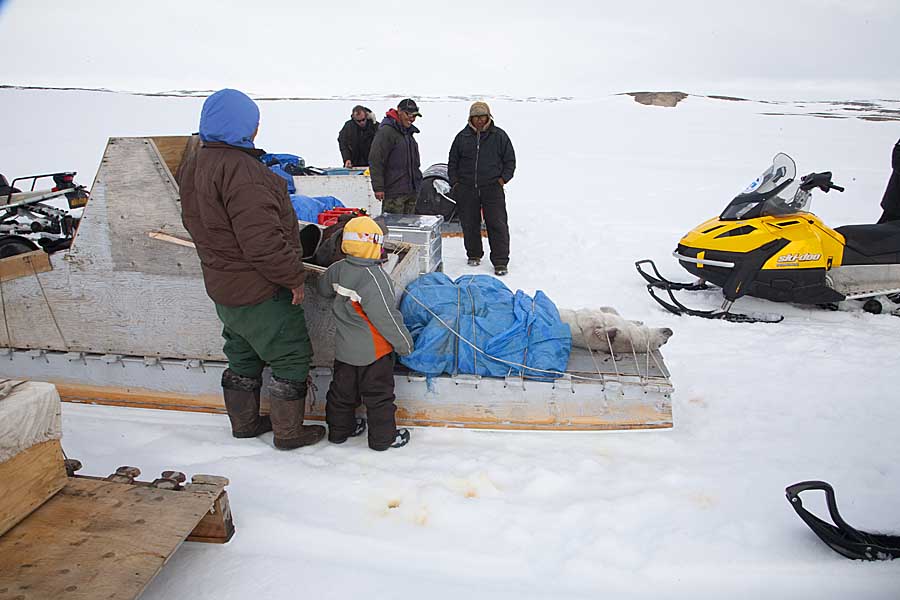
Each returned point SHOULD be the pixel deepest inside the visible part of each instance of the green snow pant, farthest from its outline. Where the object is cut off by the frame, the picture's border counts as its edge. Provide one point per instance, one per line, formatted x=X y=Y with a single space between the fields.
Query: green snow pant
x=401 y=205
x=272 y=332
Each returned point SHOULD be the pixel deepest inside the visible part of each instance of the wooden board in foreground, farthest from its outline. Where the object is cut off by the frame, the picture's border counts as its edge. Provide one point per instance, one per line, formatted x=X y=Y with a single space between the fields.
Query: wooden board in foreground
x=29 y=479
x=24 y=265
x=97 y=539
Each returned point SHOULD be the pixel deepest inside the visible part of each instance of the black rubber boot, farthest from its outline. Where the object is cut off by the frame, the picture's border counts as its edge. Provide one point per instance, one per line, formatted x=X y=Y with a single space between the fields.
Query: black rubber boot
x=242 y=403
x=288 y=406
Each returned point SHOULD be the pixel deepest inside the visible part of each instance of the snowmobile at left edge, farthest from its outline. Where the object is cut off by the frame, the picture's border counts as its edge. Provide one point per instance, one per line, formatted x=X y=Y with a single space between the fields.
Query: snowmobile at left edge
x=766 y=244
x=35 y=219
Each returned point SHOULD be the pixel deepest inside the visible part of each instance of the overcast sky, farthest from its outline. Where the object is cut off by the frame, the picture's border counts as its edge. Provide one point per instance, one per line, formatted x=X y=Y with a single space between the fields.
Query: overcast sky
x=799 y=49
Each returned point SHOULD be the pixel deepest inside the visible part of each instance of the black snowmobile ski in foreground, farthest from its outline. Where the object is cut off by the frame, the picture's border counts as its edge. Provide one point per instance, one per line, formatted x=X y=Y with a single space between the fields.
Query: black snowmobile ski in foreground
x=657 y=280
x=840 y=536
x=673 y=305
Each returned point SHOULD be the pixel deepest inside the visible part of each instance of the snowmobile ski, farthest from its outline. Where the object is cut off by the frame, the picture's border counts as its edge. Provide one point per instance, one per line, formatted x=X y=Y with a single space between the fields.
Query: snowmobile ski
x=724 y=314
x=840 y=536
x=657 y=280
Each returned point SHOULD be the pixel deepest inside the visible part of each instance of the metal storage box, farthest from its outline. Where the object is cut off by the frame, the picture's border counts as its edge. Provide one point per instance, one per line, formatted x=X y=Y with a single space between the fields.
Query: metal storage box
x=419 y=230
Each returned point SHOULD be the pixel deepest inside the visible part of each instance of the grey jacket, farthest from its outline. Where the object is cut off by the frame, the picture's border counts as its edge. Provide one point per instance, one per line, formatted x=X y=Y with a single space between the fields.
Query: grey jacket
x=362 y=283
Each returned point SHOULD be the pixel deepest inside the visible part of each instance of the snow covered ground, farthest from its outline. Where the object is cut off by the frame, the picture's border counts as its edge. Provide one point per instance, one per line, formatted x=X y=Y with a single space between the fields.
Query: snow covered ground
x=693 y=512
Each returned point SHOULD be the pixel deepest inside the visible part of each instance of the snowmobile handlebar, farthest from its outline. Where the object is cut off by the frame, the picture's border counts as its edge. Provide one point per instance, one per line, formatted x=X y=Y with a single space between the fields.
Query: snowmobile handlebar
x=819 y=180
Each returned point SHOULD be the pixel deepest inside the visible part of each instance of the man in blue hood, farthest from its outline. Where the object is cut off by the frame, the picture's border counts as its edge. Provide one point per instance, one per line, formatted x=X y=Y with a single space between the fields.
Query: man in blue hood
x=241 y=220
x=231 y=117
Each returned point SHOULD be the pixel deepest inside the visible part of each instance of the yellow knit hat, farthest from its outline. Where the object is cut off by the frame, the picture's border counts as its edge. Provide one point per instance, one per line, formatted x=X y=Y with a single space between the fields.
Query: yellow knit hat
x=362 y=238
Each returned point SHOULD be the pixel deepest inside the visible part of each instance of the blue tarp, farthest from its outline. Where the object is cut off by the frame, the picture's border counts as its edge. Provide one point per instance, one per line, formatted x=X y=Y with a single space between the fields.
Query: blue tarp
x=506 y=326
x=309 y=207
x=284 y=165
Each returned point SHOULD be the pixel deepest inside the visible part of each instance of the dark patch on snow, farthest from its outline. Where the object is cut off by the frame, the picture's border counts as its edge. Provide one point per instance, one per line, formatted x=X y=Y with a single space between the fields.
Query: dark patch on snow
x=729 y=98
x=667 y=99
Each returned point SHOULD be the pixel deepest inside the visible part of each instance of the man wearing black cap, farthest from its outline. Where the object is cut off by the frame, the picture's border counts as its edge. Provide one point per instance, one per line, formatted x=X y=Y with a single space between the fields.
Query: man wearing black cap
x=394 y=159
x=355 y=138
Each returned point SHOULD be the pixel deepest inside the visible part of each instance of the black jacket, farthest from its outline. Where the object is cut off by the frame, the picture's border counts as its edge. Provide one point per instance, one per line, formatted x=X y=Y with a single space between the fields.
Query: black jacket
x=394 y=159
x=355 y=142
x=891 y=200
x=481 y=158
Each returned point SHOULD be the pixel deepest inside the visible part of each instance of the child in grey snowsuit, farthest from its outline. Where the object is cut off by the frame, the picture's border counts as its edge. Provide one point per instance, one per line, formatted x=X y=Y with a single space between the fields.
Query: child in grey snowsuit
x=369 y=330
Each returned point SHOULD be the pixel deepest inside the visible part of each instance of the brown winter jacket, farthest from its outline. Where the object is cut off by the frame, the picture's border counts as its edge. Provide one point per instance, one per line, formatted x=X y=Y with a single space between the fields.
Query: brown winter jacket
x=242 y=222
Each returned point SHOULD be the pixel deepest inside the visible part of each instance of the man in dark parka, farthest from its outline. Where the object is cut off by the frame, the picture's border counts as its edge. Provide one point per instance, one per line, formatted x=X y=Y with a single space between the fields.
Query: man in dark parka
x=355 y=137
x=891 y=200
x=482 y=161
x=394 y=160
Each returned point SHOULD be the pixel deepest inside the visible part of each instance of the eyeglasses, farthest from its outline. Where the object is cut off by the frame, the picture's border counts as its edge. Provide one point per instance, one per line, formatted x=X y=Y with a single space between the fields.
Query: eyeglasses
x=412 y=116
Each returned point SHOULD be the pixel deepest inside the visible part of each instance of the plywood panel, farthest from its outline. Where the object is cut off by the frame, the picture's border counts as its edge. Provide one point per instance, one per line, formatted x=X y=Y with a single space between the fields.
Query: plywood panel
x=97 y=539
x=29 y=479
x=141 y=196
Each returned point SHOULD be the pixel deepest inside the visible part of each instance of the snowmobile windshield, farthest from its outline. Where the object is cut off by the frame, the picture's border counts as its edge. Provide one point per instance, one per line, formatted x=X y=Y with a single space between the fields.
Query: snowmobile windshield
x=775 y=192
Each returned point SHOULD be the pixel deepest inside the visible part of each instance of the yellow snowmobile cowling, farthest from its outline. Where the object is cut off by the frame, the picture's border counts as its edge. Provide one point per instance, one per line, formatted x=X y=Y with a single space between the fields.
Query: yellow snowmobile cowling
x=812 y=244
x=784 y=258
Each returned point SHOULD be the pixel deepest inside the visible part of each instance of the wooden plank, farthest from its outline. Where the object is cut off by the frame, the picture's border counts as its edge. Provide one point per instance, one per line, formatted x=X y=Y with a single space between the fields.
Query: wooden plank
x=165 y=237
x=29 y=479
x=171 y=148
x=553 y=413
x=97 y=539
x=24 y=265
x=139 y=398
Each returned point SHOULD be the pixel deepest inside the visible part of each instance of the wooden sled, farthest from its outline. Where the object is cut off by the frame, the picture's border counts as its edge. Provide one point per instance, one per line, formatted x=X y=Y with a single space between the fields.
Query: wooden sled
x=122 y=317
x=104 y=537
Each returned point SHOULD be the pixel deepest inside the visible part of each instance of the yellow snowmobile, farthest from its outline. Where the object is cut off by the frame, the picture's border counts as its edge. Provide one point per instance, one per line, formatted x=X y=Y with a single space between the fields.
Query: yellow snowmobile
x=767 y=245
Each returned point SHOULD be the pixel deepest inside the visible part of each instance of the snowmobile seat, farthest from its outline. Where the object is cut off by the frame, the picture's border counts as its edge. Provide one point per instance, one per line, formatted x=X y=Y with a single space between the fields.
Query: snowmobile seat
x=868 y=244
